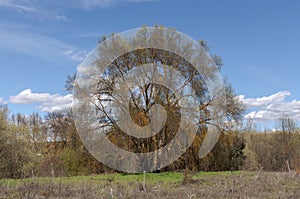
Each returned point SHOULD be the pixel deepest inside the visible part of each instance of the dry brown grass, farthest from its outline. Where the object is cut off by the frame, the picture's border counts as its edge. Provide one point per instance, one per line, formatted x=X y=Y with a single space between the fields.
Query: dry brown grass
x=197 y=185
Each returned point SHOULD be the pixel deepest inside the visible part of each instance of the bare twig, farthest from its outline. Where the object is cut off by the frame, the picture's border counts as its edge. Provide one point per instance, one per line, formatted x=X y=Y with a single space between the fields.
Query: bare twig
x=258 y=174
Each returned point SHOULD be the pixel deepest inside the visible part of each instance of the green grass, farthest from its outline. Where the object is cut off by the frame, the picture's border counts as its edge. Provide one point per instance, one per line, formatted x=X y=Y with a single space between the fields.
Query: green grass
x=167 y=185
x=152 y=178
x=167 y=177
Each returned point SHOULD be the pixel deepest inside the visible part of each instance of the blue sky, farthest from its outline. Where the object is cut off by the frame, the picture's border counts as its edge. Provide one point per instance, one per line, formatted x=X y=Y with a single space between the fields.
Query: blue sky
x=42 y=42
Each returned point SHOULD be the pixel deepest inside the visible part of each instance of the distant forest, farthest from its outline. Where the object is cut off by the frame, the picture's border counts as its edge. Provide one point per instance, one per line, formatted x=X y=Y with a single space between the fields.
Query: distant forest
x=50 y=146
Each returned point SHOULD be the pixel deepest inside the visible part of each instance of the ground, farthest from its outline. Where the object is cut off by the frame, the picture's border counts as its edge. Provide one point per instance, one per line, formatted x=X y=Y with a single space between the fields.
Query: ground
x=239 y=184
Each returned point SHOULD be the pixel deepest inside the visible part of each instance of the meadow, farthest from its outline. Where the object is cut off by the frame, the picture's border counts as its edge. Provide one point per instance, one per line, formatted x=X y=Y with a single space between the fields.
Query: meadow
x=237 y=184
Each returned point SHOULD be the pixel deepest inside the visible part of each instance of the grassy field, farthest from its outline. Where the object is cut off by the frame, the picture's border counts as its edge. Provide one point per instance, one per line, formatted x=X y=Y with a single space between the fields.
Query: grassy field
x=238 y=184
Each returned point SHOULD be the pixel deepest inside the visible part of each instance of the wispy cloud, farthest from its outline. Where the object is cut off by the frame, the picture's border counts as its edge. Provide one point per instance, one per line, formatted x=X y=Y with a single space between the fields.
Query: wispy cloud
x=38 y=9
x=39 y=46
x=46 y=101
x=92 y=4
x=62 y=18
x=57 y=103
x=21 y=6
x=88 y=35
x=2 y=101
x=42 y=7
x=272 y=107
x=88 y=4
x=75 y=55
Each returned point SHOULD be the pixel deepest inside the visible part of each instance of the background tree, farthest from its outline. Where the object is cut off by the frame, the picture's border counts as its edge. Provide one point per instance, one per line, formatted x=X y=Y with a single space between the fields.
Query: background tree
x=274 y=151
x=286 y=128
x=15 y=154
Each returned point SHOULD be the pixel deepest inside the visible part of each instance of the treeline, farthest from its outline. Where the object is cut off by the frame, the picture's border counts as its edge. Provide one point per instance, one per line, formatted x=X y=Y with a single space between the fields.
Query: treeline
x=277 y=150
x=35 y=146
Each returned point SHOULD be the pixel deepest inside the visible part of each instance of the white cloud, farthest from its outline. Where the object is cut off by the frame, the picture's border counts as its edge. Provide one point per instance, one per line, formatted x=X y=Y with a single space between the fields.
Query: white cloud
x=88 y=35
x=27 y=97
x=48 y=102
x=38 y=9
x=17 y=5
x=62 y=18
x=264 y=101
x=43 y=7
x=87 y=4
x=57 y=103
x=91 y=4
x=39 y=46
x=2 y=101
x=270 y=108
x=76 y=55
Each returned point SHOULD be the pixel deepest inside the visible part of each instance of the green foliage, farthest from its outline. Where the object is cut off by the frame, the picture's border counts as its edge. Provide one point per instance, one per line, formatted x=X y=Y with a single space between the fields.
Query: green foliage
x=15 y=155
x=227 y=154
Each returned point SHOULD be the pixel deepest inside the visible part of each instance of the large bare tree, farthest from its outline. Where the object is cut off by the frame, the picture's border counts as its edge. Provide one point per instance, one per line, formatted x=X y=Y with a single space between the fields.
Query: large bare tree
x=119 y=62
